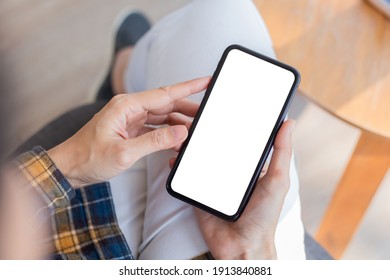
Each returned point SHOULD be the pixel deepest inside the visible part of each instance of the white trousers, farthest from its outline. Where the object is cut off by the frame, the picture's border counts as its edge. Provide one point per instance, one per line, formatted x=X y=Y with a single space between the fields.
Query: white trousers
x=184 y=45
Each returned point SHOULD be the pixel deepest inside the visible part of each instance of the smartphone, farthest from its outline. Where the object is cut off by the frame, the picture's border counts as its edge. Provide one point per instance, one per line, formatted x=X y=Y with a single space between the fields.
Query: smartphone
x=233 y=131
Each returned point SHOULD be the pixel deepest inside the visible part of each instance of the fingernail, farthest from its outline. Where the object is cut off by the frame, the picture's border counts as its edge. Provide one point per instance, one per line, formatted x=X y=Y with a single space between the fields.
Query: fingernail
x=179 y=132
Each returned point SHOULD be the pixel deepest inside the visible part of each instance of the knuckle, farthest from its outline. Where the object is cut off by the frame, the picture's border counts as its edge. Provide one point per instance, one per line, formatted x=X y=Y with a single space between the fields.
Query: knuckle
x=166 y=89
x=280 y=179
x=158 y=138
x=115 y=100
x=279 y=174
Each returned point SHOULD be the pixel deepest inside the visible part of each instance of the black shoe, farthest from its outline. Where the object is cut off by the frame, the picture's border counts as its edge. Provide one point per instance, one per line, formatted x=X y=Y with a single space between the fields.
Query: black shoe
x=132 y=28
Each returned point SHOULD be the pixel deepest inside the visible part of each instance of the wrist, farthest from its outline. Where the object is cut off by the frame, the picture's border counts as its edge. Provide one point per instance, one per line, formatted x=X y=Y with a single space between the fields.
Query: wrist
x=267 y=252
x=67 y=162
x=264 y=251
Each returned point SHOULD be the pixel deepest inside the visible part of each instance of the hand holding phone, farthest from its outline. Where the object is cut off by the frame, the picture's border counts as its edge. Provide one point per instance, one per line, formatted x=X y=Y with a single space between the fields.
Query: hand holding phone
x=232 y=134
x=253 y=235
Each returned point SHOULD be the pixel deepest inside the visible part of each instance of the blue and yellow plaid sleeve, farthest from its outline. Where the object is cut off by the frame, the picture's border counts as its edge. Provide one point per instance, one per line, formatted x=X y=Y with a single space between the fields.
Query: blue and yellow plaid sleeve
x=84 y=223
x=42 y=174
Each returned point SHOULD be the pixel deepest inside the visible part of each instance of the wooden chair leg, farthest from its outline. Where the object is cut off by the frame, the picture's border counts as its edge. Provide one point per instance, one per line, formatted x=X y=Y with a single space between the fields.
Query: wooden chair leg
x=363 y=175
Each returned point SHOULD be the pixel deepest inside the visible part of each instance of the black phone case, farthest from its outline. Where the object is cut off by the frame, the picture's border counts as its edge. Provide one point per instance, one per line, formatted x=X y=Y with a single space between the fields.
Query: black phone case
x=266 y=151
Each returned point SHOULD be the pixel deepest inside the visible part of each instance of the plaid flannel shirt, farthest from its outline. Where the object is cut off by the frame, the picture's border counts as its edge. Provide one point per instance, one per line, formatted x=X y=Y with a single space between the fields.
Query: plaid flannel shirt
x=84 y=220
x=84 y=224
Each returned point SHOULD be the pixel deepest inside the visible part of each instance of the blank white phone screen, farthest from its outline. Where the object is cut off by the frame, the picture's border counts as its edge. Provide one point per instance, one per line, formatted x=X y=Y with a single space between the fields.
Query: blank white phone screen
x=232 y=132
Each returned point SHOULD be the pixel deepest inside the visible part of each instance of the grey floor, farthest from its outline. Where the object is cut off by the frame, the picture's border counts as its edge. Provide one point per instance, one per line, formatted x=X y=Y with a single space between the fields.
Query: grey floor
x=57 y=52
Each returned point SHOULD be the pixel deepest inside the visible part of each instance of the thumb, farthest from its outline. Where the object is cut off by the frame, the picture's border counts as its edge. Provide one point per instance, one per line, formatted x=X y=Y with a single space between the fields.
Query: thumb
x=157 y=140
x=277 y=177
